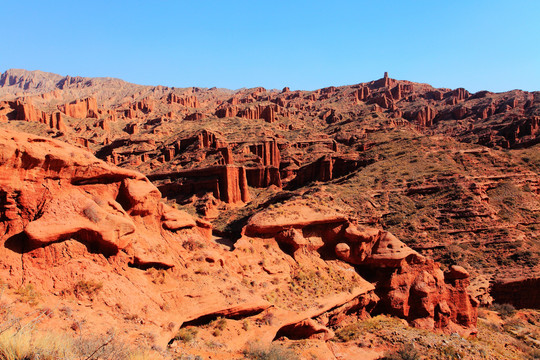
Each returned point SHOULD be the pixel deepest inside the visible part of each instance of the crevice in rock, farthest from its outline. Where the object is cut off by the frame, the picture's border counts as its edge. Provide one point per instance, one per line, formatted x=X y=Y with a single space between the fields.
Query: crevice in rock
x=229 y=313
x=137 y=264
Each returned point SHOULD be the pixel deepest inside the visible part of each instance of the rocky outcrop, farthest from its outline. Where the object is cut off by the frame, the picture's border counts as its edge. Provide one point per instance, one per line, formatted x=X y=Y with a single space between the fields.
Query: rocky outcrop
x=326 y=168
x=188 y=101
x=78 y=197
x=362 y=94
x=146 y=105
x=408 y=284
x=423 y=117
x=81 y=108
x=263 y=176
x=28 y=112
x=226 y=183
x=267 y=151
x=292 y=215
x=263 y=112
x=522 y=292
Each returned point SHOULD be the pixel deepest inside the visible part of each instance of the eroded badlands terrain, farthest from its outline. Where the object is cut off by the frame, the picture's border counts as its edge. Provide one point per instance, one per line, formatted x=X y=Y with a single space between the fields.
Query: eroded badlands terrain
x=342 y=223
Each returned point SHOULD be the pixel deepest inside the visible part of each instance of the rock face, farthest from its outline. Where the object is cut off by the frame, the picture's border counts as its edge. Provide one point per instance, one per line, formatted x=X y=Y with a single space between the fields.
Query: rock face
x=227 y=183
x=403 y=166
x=409 y=285
x=52 y=192
x=81 y=109
x=522 y=293
x=188 y=101
x=27 y=112
x=427 y=298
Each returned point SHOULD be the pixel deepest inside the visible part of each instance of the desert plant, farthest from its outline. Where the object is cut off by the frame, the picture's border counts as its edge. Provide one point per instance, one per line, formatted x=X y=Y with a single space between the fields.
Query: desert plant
x=157 y=276
x=186 y=334
x=28 y=294
x=272 y=352
x=192 y=244
x=27 y=345
x=450 y=352
x=102 y=347
x=406 y=352
x=219 y=324
x=504 y=310
x=87 y=287
x=143 y=355
x=349 y=332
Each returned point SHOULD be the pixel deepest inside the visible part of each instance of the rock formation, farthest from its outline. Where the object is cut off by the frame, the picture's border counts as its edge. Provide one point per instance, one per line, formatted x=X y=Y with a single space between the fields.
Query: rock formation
x=408 y=285
x=320 y=208
x=81 y=108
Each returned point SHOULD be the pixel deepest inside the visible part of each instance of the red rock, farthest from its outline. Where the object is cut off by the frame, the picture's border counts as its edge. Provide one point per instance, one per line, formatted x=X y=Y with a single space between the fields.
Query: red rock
x=460 y=112
x=385 y=81
x=145 y=105
x=27 y=112
x=460 y=94
x=383 y=101
x=228 y=111
x=306 y=329
x=84 y=218
x=81 y=108
x=268 y=151
x=194 y=117
x=456 y=272
x=420 y=294
x=325 y=168
x=523 y=292
x=227 y=183
x=437 y=95
x=173 y=219
x=139 y=197
x=263 y=176
x=291 y=215
x=104 y=124
x=268 y=114
x=486 y=111
x=362 y=94
x=425 y=116
x=188 y=101
x=397 y=92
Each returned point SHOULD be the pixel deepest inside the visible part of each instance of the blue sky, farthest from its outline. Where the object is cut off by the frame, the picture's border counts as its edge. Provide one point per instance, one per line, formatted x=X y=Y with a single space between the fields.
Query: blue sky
x=492 y=45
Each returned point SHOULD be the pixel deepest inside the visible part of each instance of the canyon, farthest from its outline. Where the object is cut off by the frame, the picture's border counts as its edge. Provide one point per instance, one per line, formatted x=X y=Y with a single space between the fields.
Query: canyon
x=286 y=214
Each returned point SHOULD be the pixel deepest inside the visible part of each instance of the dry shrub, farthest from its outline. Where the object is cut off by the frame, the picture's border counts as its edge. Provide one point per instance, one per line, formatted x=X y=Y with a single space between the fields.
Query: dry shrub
x=186 y=335
x=27 y=345
x=87 y=287
x=28 y=294
x=256 y=351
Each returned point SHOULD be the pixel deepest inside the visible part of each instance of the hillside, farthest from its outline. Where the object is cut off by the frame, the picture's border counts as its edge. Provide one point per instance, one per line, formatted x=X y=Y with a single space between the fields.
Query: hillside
x=283 y=216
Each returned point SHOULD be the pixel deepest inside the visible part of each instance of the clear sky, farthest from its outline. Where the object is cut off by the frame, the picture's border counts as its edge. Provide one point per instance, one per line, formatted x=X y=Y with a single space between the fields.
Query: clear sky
x=492 y=45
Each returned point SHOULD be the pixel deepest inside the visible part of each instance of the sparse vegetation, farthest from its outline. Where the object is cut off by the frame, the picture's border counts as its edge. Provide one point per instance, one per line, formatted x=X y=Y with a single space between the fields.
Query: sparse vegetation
x=319 y=282
x=186 y=335
x=29 y=294
x=504 y=310
x=219 y=325
x=157 y=276
x=349 y=332
x=87 y=287
x=272 y=352
x=406 y=352
x=192 y=244
x=29 y=344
